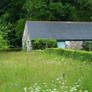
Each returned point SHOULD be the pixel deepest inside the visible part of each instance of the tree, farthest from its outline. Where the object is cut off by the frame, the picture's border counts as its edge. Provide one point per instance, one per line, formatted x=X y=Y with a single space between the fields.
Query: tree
x=62 y=12
x=3 y=42
x=20 y=29
x=14 y=13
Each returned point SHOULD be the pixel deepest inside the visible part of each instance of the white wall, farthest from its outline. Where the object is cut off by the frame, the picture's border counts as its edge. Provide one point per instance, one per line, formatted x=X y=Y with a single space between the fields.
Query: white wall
x=26 y=39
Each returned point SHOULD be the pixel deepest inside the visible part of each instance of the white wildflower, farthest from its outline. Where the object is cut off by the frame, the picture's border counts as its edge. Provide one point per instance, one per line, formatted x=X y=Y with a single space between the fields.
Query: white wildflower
x=55 y=89
x=35 y=84
x=25 y=89
x=85 y=90
x=77 y=85
x=57 y=79
x=63 y=83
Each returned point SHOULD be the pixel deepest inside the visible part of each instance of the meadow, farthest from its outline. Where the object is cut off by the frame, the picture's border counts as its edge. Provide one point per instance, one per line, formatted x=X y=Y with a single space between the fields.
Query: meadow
x=38 y=71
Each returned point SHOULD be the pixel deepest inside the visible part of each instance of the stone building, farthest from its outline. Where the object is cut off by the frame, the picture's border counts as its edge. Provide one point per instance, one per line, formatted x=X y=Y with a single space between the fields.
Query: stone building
x=68 y=34
x=76 y=45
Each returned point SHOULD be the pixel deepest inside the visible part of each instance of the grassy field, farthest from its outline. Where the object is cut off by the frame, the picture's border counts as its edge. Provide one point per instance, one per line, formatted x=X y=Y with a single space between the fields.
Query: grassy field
x=38 y=71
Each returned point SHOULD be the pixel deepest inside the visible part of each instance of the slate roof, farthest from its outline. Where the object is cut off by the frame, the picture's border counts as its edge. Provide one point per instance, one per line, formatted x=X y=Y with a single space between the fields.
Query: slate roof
x=60 y=30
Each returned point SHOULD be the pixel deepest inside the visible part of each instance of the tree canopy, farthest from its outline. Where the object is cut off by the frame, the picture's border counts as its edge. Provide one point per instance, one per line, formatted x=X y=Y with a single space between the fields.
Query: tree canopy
x=14 y=13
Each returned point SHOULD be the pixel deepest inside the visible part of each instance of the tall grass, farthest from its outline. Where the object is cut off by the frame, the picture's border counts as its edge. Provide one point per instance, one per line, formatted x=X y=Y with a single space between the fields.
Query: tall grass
x=38 y=71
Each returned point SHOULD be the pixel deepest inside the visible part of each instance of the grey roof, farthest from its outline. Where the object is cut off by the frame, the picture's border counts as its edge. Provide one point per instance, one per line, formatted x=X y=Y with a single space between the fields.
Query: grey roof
x=60 y=30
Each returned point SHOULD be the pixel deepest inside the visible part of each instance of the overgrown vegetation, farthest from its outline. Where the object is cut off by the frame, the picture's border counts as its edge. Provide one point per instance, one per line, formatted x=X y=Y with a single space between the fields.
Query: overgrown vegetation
x=38 y=71
x=87 y=45
x=44 y=43
x=14 y=13
x=3 y=41
x=75 y=54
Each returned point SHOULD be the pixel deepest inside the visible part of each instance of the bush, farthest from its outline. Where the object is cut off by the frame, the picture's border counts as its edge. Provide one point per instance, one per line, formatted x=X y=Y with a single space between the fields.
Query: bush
x=44 y=43
x=75 y=54
x=3 y=42
x=87 y=45
x=13 y=49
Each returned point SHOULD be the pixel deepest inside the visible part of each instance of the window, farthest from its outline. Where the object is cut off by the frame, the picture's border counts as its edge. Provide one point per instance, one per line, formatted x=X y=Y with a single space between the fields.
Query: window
x=61 y=44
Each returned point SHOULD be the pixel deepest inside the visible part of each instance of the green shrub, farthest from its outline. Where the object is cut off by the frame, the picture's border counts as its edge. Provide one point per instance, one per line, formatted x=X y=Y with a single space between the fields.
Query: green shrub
x=14 y=49
x=75 y=54
x=87 y=45
x=11 y=50
x=44 y=43
x=3 y=41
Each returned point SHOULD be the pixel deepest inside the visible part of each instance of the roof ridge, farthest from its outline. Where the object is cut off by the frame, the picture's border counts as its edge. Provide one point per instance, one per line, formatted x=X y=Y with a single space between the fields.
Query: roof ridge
x=60 y=21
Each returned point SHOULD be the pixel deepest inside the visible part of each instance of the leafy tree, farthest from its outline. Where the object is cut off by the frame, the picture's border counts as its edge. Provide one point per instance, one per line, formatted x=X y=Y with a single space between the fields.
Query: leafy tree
x=9 y=19
x=19 y=27
x=3 y=42
x=14 y=13
x=36 y=9
x=62 y=12
x=7 y=29
x=4 y=5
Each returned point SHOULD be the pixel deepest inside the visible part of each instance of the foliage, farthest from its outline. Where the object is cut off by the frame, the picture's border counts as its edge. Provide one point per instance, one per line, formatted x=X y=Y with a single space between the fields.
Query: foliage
x=9 y=31
x=10 y=18
x=44 y=43
x=87 y=45
x=14 y=13
x=75 y=54
x=19 y=27
x=3 y=42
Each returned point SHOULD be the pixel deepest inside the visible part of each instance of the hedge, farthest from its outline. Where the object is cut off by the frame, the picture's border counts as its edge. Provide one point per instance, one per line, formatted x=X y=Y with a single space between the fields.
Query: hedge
x=11 y=49
x=75 y=54
x=43 y=43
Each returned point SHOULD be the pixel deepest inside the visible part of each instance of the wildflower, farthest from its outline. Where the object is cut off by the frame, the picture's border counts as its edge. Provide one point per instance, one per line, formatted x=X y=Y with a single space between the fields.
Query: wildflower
x=25 y=89
x=55 y=89
x=85 y=90
x=57 y=79
x=63 y=83
x=77 y=85
x=35 y=84
x=84 y=62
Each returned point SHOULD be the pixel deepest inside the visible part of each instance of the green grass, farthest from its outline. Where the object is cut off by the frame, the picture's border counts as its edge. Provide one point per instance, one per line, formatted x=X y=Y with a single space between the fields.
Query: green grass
x=38 y=71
